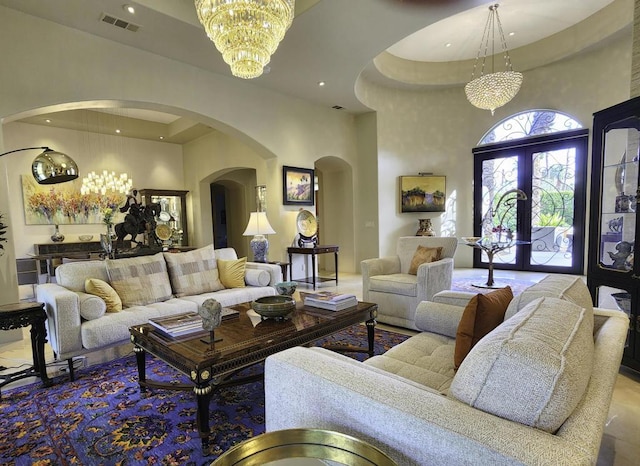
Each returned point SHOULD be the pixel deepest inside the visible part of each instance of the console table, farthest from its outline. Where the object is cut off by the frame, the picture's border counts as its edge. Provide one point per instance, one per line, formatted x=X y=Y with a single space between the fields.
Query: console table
x=313 y=252
x=14 y=316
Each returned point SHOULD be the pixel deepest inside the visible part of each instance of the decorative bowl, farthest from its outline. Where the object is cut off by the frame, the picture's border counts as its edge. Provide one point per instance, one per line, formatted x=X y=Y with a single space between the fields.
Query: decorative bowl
x=274 y=306
x=85 y=237
x=471 y=239
x=623 y=300
x=286 y=288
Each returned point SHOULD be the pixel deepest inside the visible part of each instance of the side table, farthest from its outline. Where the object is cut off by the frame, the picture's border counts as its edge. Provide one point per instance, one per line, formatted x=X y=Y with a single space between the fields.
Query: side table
x=292 y=446
x=14 y=316
x=313 y=252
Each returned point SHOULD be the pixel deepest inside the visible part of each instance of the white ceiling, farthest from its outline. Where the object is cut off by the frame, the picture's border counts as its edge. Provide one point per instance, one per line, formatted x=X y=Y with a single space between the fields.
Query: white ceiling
x=330 y=40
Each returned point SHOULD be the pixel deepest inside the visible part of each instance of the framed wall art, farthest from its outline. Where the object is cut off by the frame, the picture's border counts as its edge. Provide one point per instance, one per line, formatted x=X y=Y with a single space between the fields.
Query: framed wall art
x=63 y=205
x=422 y=193
x=297 y=186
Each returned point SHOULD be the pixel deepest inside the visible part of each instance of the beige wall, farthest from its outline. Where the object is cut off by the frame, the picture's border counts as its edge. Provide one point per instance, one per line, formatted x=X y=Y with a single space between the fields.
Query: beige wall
x=434 y=131
x=430 y=131
x=47 y=67
x=150 y=164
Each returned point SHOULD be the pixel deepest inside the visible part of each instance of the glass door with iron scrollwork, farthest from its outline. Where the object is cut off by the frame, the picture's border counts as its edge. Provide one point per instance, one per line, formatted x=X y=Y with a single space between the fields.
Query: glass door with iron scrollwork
x=549 y=224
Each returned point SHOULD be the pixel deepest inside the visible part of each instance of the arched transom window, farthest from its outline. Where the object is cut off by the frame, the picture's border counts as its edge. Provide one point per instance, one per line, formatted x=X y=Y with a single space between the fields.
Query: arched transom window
x=529 y=123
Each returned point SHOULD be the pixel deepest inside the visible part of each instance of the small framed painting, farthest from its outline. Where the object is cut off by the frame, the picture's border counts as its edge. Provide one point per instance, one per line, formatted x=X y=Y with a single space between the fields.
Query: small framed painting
x=422 y=193
x=297 y=186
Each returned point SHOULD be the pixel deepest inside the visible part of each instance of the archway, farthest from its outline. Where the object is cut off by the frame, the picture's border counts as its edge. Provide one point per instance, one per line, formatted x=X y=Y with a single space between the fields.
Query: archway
x=335 y=210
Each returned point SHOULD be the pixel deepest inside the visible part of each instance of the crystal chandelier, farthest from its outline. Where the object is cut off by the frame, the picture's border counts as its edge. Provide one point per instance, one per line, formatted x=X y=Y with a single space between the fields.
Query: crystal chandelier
x=493 y=90
x=106 y=182
x=246 y=32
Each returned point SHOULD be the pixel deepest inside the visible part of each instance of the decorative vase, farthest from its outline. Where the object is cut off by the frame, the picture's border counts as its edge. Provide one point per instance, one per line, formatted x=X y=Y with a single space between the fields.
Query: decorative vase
x=106 y=242
x=57 y=237
x=424 y=227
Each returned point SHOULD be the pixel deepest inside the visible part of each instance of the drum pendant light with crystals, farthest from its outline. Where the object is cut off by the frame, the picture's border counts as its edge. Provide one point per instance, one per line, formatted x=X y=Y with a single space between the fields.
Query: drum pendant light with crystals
x=493 y=90
x=246 y=32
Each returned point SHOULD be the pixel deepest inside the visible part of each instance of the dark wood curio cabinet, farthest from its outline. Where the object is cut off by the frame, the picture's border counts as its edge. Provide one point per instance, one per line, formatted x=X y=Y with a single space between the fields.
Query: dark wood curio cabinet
x=613 y=275
x=173 y=212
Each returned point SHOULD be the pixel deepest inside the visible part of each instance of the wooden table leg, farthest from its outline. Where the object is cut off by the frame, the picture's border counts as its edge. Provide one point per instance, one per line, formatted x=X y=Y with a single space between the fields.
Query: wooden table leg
x=313 y=270
x=203 y=395
x=371 y=327
x=38 y=338
x=142 y=369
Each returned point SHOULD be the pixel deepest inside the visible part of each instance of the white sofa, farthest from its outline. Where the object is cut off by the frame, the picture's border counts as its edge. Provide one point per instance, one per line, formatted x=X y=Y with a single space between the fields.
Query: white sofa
x=168 y=283
x=536 y=390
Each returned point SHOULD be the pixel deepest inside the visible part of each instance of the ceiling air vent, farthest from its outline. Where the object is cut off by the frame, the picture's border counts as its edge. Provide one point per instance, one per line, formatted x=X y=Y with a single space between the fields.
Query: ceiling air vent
x=337 y=107
x=121 y=23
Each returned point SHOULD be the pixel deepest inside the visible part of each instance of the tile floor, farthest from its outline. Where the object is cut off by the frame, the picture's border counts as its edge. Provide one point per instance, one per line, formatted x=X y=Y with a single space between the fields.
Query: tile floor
x=621 y=440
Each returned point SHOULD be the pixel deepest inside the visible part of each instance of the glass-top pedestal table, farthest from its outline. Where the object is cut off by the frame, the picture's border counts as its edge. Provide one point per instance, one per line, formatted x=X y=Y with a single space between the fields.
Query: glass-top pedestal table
x=491 y=248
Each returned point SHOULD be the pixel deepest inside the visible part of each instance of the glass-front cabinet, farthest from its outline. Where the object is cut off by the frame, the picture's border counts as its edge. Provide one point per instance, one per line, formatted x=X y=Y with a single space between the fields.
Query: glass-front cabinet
x=173 y=214
x=613 y=276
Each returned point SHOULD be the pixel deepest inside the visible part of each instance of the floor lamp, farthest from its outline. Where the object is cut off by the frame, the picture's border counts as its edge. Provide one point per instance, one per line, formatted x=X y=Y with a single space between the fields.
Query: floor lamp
x=51 y=167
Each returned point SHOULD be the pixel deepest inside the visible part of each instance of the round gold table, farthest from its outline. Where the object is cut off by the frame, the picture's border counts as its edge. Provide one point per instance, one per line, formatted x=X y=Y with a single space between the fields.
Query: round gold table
x=281 y=446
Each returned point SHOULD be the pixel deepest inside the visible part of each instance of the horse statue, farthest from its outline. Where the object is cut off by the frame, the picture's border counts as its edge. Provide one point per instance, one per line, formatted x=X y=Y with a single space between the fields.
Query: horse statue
x=140 y=219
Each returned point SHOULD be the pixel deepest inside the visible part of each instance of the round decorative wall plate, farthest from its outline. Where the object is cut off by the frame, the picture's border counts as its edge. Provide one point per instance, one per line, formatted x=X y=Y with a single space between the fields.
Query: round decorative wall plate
x=307 y=223
x=164 y=216
x=163 y=232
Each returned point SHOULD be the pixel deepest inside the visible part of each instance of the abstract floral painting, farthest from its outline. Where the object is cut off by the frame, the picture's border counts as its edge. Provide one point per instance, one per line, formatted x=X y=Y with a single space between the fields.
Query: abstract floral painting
x=62 y=204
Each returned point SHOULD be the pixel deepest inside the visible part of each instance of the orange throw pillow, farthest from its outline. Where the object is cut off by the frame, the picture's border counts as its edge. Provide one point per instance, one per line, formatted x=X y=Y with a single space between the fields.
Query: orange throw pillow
x=424 y=254
x=483 y=313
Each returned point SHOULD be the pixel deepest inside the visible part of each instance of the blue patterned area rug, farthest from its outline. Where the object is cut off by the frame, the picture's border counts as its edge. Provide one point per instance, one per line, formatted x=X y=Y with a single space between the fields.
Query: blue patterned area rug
x=102 y=418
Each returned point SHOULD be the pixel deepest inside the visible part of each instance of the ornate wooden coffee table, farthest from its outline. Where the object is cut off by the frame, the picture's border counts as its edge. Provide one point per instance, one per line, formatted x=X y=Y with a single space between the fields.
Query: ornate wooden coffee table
x=245 y=341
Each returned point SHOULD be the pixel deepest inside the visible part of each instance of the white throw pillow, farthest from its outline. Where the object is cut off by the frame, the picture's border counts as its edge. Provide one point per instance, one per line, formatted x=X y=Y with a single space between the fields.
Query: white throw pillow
x=193 y=272
x=91 y=306
x=567 y=287
x=253 y=277
x=533 y=368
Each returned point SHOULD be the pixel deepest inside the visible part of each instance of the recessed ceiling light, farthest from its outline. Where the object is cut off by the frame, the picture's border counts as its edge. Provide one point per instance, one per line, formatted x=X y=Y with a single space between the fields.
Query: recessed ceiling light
x=118 y=131
x=47 y=121
x=512 y=34
x=161 y=137
x=129 y=9
x=321 y=83
x=448 y=44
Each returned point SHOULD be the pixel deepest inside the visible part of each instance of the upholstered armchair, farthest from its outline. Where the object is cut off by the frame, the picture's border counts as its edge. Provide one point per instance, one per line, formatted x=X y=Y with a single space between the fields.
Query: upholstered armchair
x=387 y=282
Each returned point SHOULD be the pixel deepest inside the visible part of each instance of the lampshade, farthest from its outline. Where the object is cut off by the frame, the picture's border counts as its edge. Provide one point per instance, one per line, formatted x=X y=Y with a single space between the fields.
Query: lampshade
x=246 y=32
x=51 y=167
x=492 y=90
x=258 y=225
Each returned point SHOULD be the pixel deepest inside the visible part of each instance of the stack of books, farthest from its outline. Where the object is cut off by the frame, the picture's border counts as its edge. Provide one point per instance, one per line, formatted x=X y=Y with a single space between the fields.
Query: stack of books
x=330 y=300
x=187 y=322
x=179 y=324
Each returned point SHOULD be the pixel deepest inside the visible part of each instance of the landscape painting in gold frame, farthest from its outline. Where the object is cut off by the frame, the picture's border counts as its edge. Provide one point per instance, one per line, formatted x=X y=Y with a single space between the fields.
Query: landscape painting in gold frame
x=423 y=193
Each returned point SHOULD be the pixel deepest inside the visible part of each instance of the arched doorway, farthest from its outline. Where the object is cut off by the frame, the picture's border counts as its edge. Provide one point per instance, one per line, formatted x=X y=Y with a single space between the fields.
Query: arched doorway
x=544 y=154
x=230 y=207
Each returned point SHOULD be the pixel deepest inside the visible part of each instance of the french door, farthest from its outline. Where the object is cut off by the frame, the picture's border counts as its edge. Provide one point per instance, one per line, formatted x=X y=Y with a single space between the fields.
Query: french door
x=549 y=225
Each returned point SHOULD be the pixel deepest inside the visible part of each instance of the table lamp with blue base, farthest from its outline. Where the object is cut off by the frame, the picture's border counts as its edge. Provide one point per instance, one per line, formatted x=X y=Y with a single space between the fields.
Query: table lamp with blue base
x=259 y=227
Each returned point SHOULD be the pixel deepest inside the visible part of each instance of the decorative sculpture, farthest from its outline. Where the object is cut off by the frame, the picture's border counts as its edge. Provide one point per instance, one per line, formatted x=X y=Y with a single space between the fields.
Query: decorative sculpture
x=139 y=219
x=211 y=313
x=624 y=251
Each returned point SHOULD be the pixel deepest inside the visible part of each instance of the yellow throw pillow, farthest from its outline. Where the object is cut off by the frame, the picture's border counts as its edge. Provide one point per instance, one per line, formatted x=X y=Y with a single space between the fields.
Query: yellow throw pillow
x=424 y=254
x=232 y=272
x=103 y=290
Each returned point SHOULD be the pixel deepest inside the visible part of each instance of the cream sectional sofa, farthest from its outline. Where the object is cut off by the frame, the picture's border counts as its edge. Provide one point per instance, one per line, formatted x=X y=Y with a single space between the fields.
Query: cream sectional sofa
x=536 y=390
x=149 y=286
